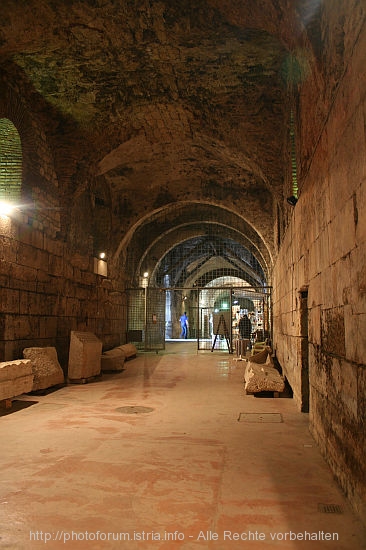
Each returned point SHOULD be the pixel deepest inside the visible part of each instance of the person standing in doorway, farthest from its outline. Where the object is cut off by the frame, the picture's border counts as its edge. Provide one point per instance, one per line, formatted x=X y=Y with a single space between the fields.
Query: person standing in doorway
x=245 y=328
x=184 y=325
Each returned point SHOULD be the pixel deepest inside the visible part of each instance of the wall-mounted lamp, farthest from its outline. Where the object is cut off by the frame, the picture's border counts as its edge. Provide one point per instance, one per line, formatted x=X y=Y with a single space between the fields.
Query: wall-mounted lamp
x=144 y=280
x=292 y=200
x=102 y=255
x=5 y=208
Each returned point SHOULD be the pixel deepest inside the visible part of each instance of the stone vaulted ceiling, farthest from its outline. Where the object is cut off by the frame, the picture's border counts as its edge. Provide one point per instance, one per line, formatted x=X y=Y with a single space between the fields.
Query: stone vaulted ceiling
x=167 y=101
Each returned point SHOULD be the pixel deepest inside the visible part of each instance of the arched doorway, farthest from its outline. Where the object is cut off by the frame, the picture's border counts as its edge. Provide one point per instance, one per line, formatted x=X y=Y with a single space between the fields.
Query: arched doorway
x=204 y=275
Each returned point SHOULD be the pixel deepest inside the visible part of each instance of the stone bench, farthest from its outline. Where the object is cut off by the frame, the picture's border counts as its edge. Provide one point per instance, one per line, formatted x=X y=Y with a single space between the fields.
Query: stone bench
x=114 y=359
x=16 y=377
x=129 y=350
x=261 y=375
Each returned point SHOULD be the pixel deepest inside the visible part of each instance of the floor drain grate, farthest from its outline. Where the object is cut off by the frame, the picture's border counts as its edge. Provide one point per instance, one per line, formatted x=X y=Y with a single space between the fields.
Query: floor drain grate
x=330 y=508
x=260 y=417
x=134 y=410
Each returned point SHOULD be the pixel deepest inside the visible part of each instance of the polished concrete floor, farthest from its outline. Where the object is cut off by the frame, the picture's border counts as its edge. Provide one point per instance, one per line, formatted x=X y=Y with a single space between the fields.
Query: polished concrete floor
x=194 y=463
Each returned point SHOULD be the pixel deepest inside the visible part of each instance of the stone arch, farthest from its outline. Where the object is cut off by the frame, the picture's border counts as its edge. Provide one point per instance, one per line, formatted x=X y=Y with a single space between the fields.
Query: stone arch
x=171 y=240
x=163 y=229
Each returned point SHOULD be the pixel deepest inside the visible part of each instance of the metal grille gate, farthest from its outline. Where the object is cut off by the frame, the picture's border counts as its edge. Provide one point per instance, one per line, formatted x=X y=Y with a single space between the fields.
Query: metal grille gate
x=153 y=314
x=146 y=318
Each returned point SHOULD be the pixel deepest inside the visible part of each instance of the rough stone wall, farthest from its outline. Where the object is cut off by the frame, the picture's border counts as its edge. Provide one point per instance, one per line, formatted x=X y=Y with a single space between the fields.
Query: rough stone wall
x=48 y=286
x=40 y=183
x=323 y=251
x=47 y=292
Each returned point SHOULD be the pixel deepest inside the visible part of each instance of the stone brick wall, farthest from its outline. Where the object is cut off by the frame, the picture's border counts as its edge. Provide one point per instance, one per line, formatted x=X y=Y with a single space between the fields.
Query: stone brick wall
x=39 y=192
x=323 y=251
x=47 y=279
x=47 y=292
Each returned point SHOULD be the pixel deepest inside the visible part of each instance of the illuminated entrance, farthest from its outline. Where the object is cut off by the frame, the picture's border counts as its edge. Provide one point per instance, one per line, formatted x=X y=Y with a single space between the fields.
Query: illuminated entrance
x=153 y=314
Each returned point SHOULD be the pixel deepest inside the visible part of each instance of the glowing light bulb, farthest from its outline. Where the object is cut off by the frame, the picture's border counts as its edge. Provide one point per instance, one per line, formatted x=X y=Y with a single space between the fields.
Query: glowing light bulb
x=5 y=208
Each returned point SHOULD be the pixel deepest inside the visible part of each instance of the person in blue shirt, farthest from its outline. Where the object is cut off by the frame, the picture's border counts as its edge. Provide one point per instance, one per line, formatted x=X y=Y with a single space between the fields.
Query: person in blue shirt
x=184 y=325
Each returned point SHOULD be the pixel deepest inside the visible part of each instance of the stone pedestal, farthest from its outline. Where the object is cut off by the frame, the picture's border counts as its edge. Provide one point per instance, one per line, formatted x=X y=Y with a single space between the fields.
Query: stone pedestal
x=84 y=356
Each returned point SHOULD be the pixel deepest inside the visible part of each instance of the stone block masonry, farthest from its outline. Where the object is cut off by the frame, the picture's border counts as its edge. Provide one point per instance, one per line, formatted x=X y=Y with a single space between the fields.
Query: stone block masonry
x=331 y=201
x=41 y=300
